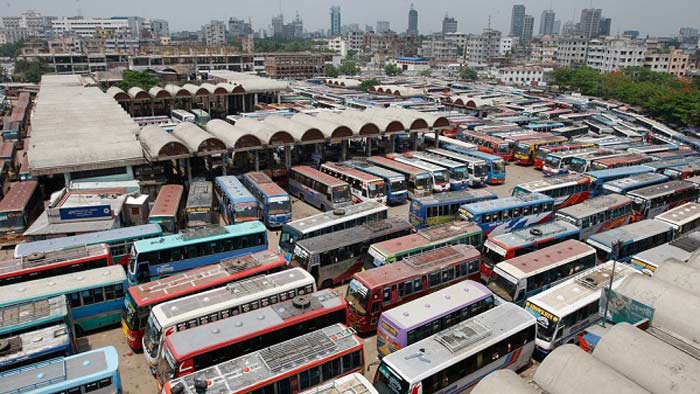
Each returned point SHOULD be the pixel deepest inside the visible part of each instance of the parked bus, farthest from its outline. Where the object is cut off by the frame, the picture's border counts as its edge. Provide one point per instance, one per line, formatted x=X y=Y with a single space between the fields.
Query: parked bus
x=318 y=189
x=477 y=169
x=180 y=116
x=328 y=222
x=508 y=214
x=649 y=149
x=158 y=257
x=600 y=177
x=683 y=172
x=545 y=150
x=456 y=359
x=627 y=160
x=633 y=182
x=54 y=263
x=34 y=346
x=623 y=242
x=557 y=163
x=440 y=175
x=292 y=366
x=496 y=174
x=140 y=299
x=363 y=186
x=32 y=315
x=584 y=162
x=659 y=166
x=184 y=313
x=684 y=218
x=654 y=200
x=166 y=210
x=565 y=310
x=681 y=249
x=443 y=208
x=373 y=291
x=396 y=192
x=519 y=242
x=274 y=204
x=526 y=151
x=201 y=347
x=419 y=183
x=488 y=144
x=570 y=131
x=566 y=190
x=20 y=206
x=458 y=171
x=393 y=250
x=355 y=382
x=236 y=203
x=119 y=241
x=201 y=117
x=521 y=277
x=95 y=296
x=199 y=209
x=597 y=214
x=418 y=319
x=333 y=258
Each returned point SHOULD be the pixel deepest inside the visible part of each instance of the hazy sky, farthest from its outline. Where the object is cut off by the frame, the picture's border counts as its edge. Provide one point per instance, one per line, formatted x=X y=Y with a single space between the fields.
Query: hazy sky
x=655 y=17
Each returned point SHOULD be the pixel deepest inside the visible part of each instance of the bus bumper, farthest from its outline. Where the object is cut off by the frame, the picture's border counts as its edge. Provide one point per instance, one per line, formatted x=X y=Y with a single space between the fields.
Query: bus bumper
x=540 y=353
x=497 y=181
x=361 y=324
x=133 y=338
x=397 y=199
x=278 y=220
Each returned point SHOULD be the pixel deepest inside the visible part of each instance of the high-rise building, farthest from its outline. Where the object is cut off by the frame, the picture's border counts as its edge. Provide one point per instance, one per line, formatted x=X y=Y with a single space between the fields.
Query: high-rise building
x=449 y=25
x=160 y=28
x=412 y=22
x=335 y=21
x=214 y=33
x=547 y=22
x=605 y=25
x=383 y=27
x=556 y=28
x=589 y=25
x=517 y=20
x=278 y=25
x=528 y=29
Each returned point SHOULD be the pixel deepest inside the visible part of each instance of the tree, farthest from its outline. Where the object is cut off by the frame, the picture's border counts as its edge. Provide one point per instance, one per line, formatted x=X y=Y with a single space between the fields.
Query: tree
x=142 y=79
x=30 y=71
x=392 y=70
x=11 y=50
x=348 y=67
x=367 y=84
x=467 y=74
x=330 y=71
x=4 y=75
x=426 y=73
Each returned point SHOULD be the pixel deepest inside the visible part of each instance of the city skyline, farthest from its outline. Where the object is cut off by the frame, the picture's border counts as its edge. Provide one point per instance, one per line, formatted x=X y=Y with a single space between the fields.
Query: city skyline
x=472 y=18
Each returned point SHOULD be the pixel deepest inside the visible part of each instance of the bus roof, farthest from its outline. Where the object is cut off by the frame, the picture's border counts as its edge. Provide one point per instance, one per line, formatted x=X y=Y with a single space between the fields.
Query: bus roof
x=18 y=196
x=273 y=361
x=595 y=205
x=198 y=340
x=580 y=290
x=419 y=163
x=662 y=189
x=197 y=235
x=393 y=164
x=200 y=194
x=31 y=344
x=667 y=163
x=465 y=338
x=419 y=264
x=354 y=235
x=117 y=234
x=318 y=175
x=168 y=201
x=372 y=169
x=465 y=196
x=544 y=140
x=530 y=235
x=16 y=315
x=634 y=181
x=533 y=263
x=234 y=189
x=620 y=171
x=412 y=313
x=311 y=223
x=630 y=232
x=546 y=184
x=266 y=185
x=16 y=265
x=174 y=286
x=572 y=153
x=354 y=383
x=680 y=215
x=680 y=249
x=456 y=155
x=61 y=284
x=361 y=175
x=626 y=158
x=433 y=158
x=477 y=208
x=426 y=236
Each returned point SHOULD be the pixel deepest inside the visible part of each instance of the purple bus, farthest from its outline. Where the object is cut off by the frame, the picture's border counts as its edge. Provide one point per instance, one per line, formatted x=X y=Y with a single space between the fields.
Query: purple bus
x=409 y=323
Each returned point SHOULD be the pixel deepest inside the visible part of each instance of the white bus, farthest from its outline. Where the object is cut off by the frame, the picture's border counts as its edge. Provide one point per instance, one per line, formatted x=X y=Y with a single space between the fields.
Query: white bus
x=679 y=250
x=202 y=308
x=683 y=219
x=180 y=116
x=459 y=173
x=318 y=189
x=456 y=359
x=477 y=168
x=354 y=383
x=363 y=186
x=440 y=175
x=568 y=308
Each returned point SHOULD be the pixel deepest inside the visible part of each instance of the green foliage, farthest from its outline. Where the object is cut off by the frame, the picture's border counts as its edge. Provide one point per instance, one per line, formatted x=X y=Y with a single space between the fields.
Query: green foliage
x=392 y=70
x=11 y=50
x=142 y=79
x=235 y=42
x=330 y=71
x=661 y=95
x=367 y=84
x=467 y=74
x=426 y=73
x=348 y=67
x=278 y=44
x=30 y=71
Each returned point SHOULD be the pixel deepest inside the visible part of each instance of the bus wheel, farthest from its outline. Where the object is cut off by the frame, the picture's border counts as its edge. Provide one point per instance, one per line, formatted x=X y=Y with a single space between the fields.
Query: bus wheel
x=323 y=208
x=79 y=332
x=327 y=284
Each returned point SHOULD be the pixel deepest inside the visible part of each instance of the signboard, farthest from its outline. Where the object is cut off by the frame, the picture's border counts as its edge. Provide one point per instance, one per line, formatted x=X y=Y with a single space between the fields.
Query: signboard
x=86 y=212
x=624 y=309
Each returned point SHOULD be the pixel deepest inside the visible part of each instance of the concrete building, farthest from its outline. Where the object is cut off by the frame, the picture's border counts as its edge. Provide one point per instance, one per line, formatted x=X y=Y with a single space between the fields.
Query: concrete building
x=91 y=27
x=597 y=53
x=410 y=65
x=673 y=61
x=481 y=48
x=160 y=28
x=605 y=27
x=507 y=44
x=10 y=36
x=449 y=25
x=571 y=51
x=248 y=44
x=294 y=65
x=239 y=28
x=543 y=53
x=355 y=41
x=616 y=54
x=569 y=28
x=214 y=33
x=528 y=28
x=278 y=25
x=517 y=20
x=30 y=20
x=383 y=27
x=412 y=29
x=547 y=22
x=525 y=75
x=444 y=47
x=589 y=24
x=335 y=21
x=338 y=45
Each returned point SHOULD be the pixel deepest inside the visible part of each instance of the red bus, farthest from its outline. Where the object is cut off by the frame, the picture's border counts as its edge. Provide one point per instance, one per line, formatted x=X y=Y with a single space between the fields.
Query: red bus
x=544 y=151
x=167 y=209
x=488 y=144
x=566 y=190
x=18 y=209
x=629 y=160
x=64 y=261
x=225 y=339
x=141 y=298
x=373 y=291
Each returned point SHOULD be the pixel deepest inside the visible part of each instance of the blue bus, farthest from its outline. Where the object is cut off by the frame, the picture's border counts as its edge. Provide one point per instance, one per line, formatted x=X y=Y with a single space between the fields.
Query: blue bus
x=543 y=126
x=660 y=166
x=34 y=314
x=154 y=258
x=95 y=296
x=30 y=347
x=395 y=182
x=91 y=371
x=496 y=174
x=599 y=177
x=624 y=185
x=273 y=202
x=443 y=208
x=505 y=215
x=236 y=203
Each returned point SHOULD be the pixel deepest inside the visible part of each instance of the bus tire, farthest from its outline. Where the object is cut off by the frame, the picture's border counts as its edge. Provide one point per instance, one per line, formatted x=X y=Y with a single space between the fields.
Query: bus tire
x=323 y=208
x=79 y=331
x=327 y=284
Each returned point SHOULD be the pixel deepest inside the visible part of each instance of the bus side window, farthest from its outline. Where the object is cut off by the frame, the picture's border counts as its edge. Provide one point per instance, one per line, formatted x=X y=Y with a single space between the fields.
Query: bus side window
x=386 y=295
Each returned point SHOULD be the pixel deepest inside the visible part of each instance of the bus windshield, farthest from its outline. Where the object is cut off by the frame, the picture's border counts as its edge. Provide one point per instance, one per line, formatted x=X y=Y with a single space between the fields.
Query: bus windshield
x=546 y=328
x=166 y=366
x=357 y=297
x=288 y=237
x=152 y=337
x=499 y=167
x=246 y=210
x=376 y=189
x=389 y=382
x=503 y=287
x=542 y=153
x=301 y=257
x=341 y=194
x=503 y=148
x=552 y=161
x=577 y=164
x=480 y=171
x=458 y=173
x=522 y=149
x=422 y=182
x=441 y=176
x=398 y=185
x=130 y=316
x=279 y=207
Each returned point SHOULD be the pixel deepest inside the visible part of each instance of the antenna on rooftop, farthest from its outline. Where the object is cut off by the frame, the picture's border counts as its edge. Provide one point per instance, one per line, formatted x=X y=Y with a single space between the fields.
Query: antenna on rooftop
x=489 y=22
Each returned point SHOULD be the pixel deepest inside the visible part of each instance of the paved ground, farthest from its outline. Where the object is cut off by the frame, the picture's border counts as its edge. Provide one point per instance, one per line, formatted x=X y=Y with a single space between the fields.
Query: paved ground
x=136 y=378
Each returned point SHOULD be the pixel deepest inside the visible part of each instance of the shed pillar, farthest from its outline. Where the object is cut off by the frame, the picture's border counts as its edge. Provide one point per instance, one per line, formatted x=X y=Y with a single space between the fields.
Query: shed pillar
x=257 y=161
x=255 y=100
x=343 y=150
x=437 y=135
x=243 y=102
x=188 y=168
x=288 y=157
x=414 y=140
x=369 y=146
x=391 y=139
x=279 y=98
